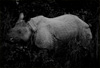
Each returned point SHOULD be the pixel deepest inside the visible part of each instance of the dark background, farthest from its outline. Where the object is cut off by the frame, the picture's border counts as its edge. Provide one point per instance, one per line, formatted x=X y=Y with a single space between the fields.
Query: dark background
x=23 y=55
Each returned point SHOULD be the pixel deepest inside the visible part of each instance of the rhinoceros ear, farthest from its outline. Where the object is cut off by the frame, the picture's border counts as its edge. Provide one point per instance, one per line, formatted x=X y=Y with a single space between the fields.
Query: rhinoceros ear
x=21 y=16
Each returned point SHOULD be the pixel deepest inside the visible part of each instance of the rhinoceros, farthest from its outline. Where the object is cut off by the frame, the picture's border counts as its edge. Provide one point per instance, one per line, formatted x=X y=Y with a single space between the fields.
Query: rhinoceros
x=48 y=30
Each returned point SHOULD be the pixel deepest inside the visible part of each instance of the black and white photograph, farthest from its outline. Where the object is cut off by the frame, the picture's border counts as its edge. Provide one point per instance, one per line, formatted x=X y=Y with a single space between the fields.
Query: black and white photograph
x=49 y=33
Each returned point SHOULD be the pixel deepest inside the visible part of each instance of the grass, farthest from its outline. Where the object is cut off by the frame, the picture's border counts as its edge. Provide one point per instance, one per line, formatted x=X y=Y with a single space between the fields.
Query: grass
x=24 y=55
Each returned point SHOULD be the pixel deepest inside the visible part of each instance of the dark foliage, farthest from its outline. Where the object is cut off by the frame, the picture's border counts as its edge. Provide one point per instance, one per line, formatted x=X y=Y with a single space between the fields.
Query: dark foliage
x=27 y=55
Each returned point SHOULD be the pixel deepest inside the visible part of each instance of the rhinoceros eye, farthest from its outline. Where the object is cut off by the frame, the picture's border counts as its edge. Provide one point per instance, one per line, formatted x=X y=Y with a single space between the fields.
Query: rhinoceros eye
x=19 y=31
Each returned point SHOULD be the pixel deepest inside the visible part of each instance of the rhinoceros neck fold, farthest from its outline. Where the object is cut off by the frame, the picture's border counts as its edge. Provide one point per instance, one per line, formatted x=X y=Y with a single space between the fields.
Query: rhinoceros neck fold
x=34 y=22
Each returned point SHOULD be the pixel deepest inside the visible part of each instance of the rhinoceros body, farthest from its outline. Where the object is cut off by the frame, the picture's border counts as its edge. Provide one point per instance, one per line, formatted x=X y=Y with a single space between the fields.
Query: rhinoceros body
x=47 y=30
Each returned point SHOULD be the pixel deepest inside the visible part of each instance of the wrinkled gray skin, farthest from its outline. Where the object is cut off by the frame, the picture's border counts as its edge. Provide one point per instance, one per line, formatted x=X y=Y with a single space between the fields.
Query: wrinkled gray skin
x=49 y=29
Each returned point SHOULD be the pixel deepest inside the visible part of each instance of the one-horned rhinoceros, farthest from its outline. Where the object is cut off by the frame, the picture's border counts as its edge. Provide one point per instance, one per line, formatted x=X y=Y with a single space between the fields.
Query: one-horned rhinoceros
x=48 y=30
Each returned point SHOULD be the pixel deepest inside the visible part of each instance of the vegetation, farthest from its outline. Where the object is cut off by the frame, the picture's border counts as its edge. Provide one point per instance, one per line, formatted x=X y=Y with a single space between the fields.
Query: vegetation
x=69 y=55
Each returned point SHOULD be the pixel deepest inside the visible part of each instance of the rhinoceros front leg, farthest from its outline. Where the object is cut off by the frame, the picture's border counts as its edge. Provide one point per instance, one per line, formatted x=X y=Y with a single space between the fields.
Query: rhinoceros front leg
x=43 y=38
